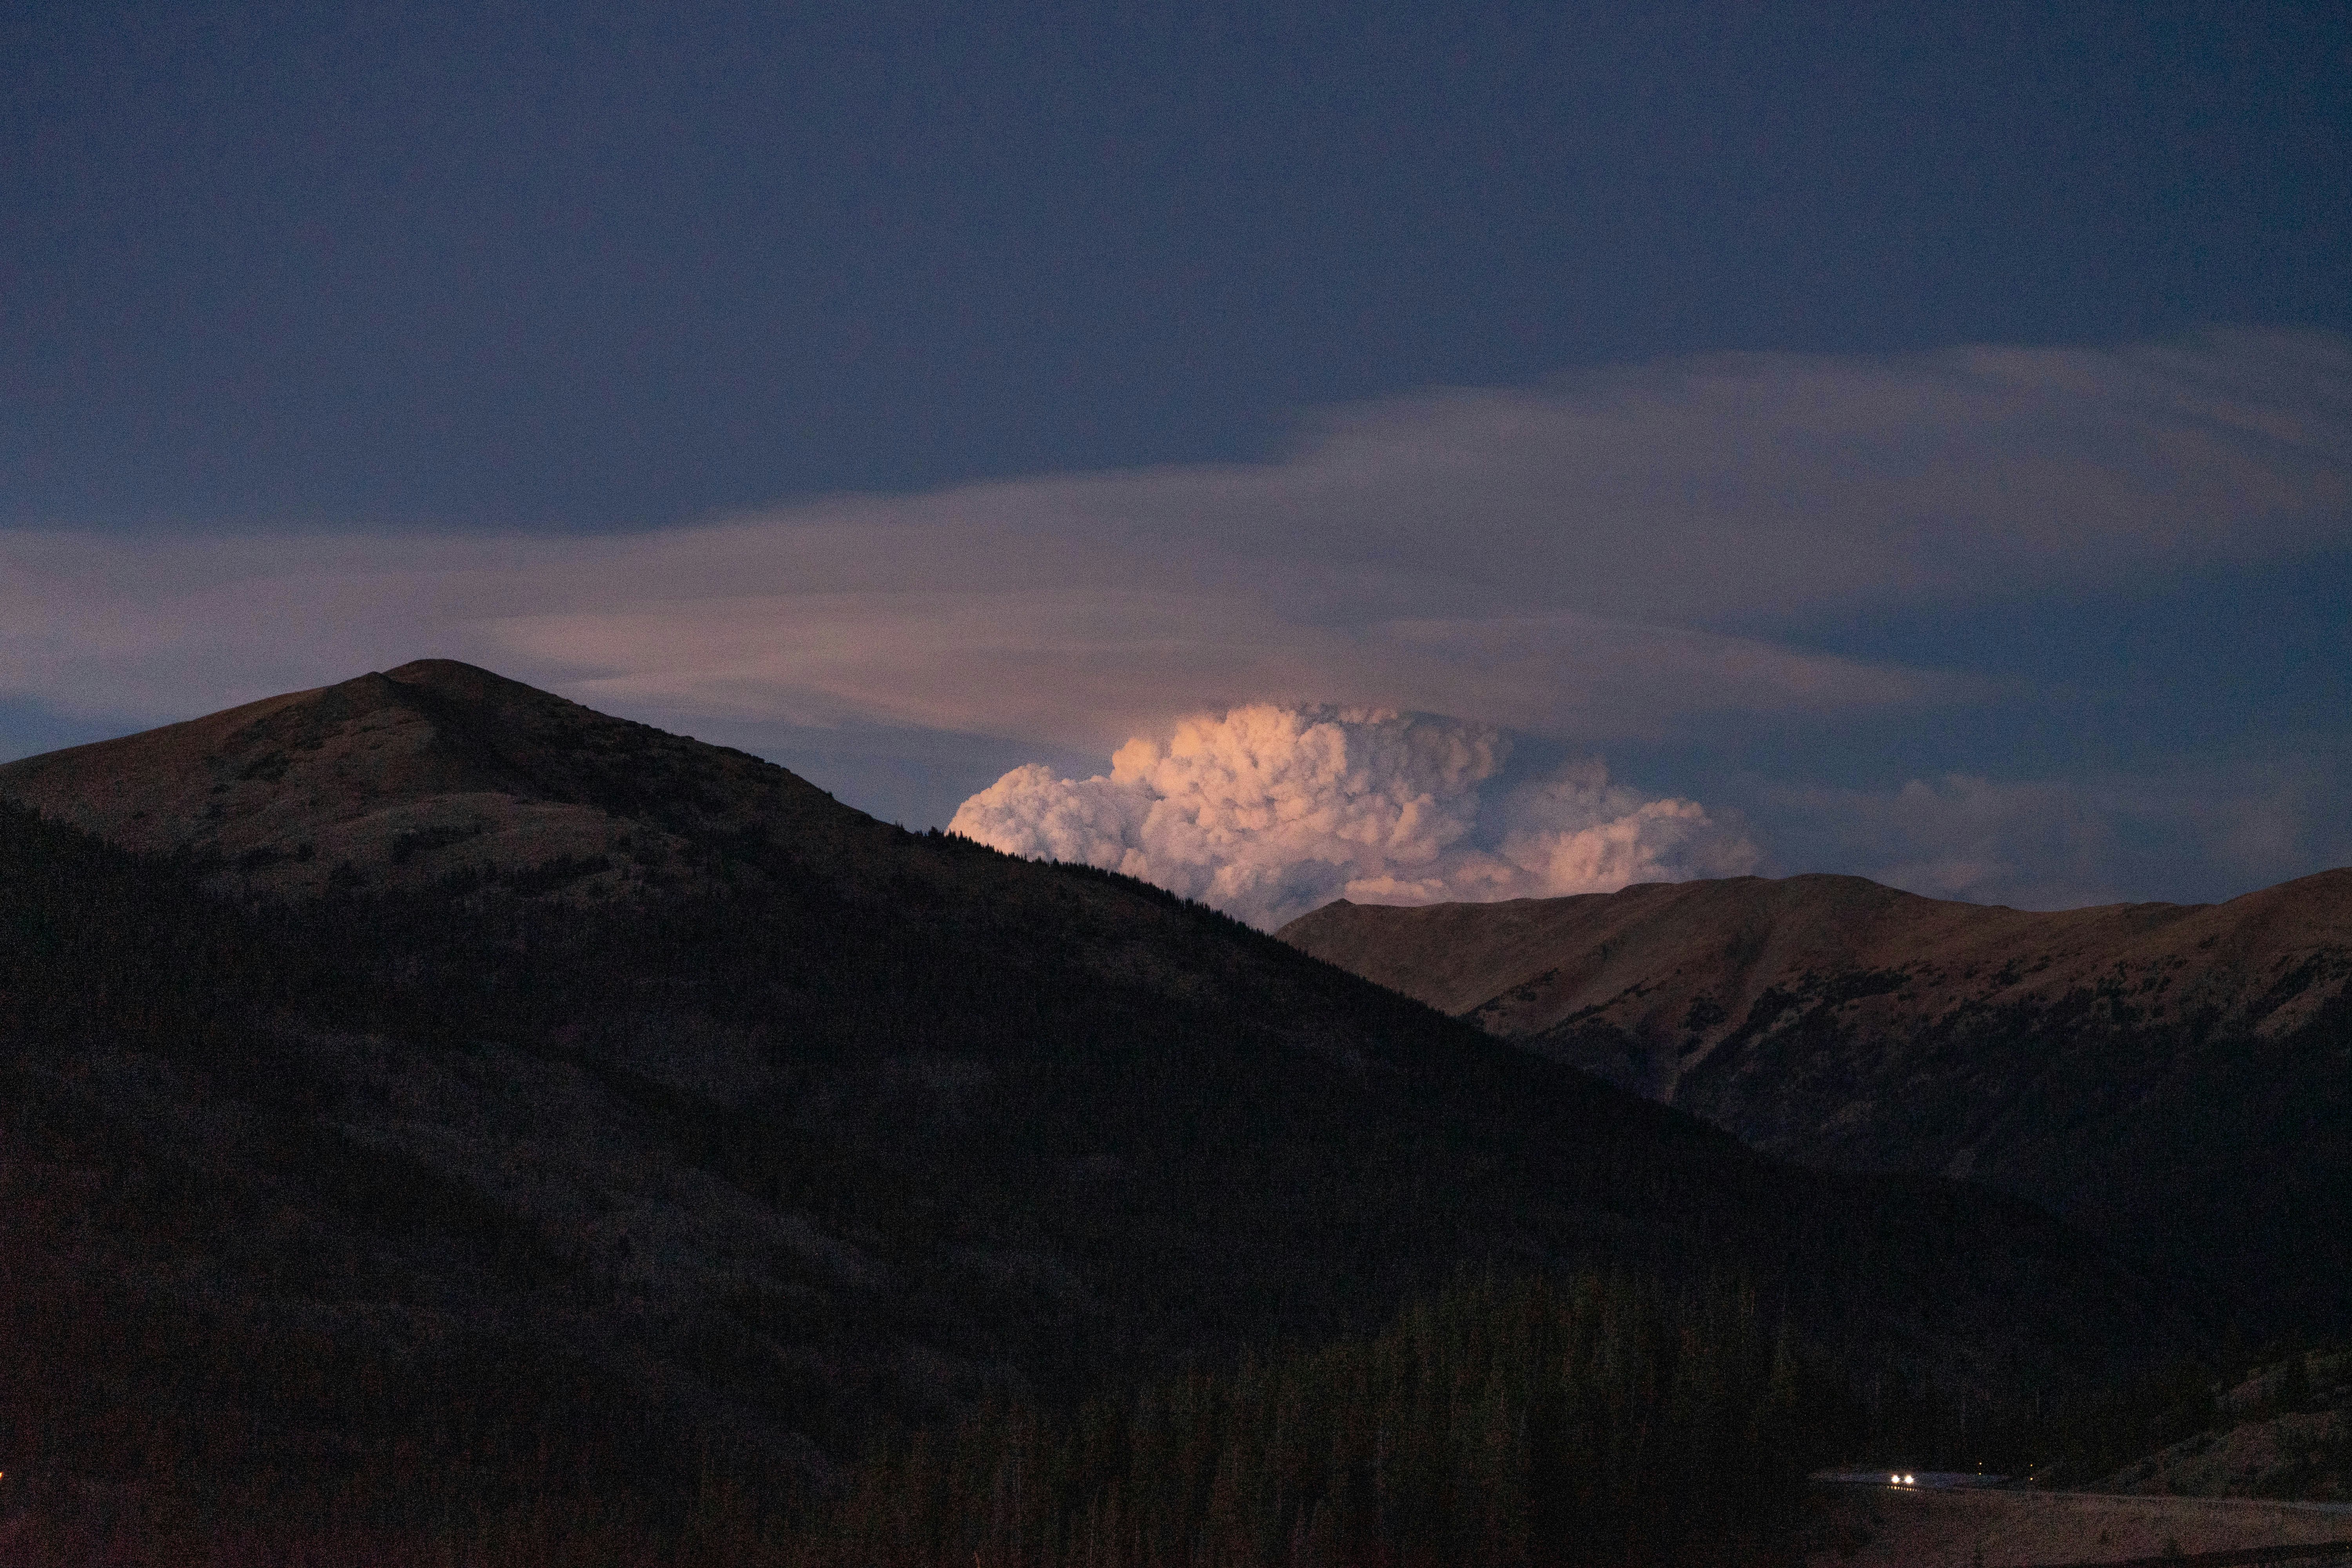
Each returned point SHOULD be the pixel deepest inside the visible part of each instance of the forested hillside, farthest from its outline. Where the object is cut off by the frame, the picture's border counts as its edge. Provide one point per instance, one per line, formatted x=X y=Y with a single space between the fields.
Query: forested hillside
x=478 y=1193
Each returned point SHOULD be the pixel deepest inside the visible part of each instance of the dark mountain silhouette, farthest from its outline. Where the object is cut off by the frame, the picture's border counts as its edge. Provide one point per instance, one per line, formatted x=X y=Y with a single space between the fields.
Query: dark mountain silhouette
x=2176 y=1078
x=427 y=1065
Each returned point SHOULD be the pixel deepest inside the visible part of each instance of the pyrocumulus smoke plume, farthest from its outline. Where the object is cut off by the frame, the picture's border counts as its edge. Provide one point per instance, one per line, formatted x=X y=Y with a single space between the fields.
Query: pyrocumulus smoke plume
x=1267 y=811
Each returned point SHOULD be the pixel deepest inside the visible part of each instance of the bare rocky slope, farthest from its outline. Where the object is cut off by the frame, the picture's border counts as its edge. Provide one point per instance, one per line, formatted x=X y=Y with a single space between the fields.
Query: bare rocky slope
x=2282 y=1430
x=2178 y=1078
x=427 y=1064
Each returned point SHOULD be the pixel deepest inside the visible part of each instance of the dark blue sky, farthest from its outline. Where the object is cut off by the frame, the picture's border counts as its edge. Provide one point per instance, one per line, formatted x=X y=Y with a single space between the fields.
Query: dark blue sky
x=1851 y=398
x=592 y=266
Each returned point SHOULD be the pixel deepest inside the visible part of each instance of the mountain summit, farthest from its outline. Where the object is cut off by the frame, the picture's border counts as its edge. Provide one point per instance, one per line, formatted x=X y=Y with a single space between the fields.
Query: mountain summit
x=405 y=777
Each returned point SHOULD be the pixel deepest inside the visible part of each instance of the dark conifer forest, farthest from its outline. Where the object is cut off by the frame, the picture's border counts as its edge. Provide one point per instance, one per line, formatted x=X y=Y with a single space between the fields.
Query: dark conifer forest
x=1587 y=1421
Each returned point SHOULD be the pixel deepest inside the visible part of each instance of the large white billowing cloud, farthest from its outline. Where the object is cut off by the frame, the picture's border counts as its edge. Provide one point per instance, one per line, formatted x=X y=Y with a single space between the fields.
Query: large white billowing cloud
x=1267 y=812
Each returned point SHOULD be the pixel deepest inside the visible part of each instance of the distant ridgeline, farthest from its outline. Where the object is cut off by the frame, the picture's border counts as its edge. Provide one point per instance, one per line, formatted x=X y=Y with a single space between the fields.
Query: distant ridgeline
x=420 y=1193
x=2174 y=1078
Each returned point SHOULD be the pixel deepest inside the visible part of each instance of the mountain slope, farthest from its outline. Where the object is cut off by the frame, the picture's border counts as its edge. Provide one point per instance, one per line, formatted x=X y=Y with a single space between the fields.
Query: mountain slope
x=402 y=778
x=778 y=1128
x=2178 y=1078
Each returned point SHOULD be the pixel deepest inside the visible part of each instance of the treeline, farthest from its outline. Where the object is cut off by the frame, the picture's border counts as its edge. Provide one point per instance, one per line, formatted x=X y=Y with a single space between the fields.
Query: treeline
x=1510 y=1422
x=1521 y=1422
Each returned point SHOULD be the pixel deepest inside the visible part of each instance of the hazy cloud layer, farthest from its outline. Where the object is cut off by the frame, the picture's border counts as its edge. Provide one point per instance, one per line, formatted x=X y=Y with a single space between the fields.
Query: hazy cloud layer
x=1058 y=639
x=1268 y=812
x=2196 y=831
x=1604 y=556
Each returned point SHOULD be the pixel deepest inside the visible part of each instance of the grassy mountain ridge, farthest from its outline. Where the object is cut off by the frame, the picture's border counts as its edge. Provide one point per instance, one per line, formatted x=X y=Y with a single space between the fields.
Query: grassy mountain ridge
x=2177 y=1078
x=406 y=778
x=778 y=1131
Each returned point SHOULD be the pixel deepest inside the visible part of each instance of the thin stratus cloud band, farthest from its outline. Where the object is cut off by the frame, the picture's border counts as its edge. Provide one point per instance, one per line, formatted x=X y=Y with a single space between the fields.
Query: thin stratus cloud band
x=1606 y=556
x=1056 y=638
